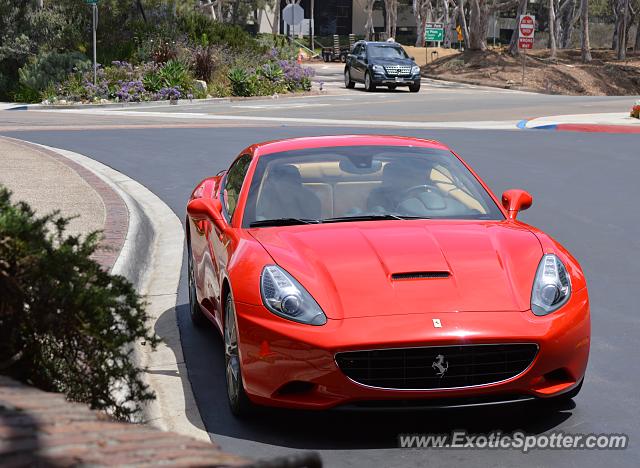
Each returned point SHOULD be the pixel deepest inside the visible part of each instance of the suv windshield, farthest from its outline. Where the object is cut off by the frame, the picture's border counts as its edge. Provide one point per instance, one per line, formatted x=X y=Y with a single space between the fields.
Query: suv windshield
x=386 y=52
x=339 y=184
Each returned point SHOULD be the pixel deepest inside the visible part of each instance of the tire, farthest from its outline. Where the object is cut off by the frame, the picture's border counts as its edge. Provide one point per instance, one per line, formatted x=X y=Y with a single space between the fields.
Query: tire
x=414 y=88
x=325 y=57
x=196 y=314
x=348 y=83
x=368 y=84
x=238 y=401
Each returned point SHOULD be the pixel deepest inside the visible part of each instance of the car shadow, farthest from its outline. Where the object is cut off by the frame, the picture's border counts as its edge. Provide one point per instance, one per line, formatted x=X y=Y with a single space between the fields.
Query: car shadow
x=380 y=89
x=338 y=429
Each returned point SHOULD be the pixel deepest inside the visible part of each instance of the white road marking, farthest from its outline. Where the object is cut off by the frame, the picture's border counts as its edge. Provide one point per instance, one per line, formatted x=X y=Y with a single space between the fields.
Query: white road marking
x=279 y=106
x=486 y=125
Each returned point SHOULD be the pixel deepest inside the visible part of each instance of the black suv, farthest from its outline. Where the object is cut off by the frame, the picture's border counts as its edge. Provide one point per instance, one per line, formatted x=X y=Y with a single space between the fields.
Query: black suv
x=381 y=64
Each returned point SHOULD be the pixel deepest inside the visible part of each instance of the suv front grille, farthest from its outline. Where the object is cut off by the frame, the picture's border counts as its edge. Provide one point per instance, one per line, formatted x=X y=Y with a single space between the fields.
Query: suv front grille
x=397 y=70
x=436 y=367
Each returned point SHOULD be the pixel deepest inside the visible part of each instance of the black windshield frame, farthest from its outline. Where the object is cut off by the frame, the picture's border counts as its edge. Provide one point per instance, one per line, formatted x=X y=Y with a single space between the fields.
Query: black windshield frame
x=494 y=213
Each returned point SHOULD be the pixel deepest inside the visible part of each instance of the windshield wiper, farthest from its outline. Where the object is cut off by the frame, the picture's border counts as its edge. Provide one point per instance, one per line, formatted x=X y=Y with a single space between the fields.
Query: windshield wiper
x=378 y=217
x=283 y=222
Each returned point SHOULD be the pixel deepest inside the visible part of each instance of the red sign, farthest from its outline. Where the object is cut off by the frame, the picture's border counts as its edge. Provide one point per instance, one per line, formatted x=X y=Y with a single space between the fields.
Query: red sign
x=527 y=27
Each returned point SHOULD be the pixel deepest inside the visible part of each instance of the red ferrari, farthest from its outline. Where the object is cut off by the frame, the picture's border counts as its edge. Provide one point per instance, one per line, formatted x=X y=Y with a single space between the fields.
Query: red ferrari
x=380 y=271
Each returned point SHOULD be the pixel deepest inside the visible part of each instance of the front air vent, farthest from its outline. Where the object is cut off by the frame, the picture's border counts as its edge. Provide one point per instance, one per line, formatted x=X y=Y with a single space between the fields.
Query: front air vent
x=414 y=275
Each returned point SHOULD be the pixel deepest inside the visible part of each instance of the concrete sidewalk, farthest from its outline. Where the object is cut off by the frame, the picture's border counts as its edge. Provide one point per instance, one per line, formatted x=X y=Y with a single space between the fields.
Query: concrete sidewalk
x=49 y=182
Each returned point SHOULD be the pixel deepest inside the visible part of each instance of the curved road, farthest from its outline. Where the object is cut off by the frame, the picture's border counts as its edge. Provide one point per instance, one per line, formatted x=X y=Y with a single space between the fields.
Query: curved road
x=585 y=189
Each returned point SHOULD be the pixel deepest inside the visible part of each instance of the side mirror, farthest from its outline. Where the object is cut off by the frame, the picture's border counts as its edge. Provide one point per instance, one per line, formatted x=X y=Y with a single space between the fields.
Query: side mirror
x=413 y=58
x=207 y=209
x=515 y=200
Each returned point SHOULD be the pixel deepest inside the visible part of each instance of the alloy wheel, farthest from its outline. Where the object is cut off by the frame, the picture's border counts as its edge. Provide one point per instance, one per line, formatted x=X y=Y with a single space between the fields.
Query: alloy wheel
x=231 y=354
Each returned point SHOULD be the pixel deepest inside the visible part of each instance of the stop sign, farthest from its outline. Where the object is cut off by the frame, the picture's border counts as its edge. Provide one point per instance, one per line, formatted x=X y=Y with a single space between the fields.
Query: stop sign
x=526 y=27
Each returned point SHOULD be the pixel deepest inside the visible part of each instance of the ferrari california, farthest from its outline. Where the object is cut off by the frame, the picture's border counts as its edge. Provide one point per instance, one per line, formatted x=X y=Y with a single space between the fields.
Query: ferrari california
x=380 y=271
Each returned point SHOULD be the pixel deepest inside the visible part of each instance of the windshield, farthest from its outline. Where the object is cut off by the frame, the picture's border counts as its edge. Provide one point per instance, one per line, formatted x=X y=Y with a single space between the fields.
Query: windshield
x=339 y=184
x=386 y=52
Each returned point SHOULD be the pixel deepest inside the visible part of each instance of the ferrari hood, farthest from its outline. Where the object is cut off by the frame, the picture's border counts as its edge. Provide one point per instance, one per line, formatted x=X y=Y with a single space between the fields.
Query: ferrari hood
x=404 y=267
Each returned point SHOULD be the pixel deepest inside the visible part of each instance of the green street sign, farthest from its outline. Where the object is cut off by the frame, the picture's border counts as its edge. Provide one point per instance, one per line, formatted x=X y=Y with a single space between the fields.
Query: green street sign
x=91 y=2
x=434 y=32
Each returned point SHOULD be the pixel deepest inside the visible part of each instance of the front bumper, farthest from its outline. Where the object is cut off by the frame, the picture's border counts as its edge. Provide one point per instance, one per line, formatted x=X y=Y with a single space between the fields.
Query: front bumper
x=291 y=365
x=380 y=79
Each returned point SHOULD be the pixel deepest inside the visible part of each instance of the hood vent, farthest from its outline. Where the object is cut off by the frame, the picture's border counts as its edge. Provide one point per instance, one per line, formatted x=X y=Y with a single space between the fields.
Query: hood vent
x=413 y=275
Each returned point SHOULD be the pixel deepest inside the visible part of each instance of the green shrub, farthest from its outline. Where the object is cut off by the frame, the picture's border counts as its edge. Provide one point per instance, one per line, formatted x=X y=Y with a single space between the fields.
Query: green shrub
x=176 y=74
x=243 y=83
x=47 y=69
x=66 y=324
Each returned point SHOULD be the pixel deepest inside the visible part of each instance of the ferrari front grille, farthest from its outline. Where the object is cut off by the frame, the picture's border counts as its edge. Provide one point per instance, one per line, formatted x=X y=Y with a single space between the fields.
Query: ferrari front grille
x=437 y=367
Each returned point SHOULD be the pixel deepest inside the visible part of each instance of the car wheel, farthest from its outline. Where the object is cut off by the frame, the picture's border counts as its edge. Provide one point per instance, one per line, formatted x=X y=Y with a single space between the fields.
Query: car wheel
x=368 y=84
x=347 y=79
x=197 y=317
x=238 y=400
x=392 y=87
x=414 y=88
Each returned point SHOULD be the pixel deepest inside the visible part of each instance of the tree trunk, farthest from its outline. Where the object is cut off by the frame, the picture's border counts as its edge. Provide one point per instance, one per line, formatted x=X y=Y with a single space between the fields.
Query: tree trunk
x=463 y=24
x=552 y=28
x=275 y=27
x=368 y=27
x=585 y=46
x=565 y=21
x=446 y=40
x=513 y=45
x=620 y=37
x=636 y=46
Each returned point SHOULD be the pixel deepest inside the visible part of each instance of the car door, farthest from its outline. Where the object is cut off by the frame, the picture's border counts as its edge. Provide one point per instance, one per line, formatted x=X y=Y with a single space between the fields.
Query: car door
x=361 y=62
x=220 y=242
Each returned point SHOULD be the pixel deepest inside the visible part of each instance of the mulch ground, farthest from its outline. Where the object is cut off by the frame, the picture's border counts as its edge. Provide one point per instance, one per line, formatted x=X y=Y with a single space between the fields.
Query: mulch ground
x=604 y=76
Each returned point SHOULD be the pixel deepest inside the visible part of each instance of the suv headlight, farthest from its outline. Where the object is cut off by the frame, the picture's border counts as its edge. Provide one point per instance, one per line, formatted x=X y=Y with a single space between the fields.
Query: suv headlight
x=415 y=69
x=285 y=297
x=378 y=69
x=551 y=287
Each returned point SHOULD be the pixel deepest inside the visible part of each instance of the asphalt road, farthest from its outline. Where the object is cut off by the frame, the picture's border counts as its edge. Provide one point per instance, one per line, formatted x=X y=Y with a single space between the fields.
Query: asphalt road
x=585 y=189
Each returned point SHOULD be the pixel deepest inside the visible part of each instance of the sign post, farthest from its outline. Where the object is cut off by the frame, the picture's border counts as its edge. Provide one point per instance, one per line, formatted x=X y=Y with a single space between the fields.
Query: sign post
x=526 y=29
x=94 y=14
x=433 y=32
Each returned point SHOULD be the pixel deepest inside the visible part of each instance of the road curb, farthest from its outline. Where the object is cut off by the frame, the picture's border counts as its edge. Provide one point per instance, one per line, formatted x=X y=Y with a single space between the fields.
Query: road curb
x=151 y=258
x=129 y=105
x=584 y=128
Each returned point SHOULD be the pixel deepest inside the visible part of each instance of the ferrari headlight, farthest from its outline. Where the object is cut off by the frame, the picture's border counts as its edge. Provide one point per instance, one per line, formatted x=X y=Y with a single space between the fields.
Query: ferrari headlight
x=415 y=70
x=552 y=286
x=284 y=296
x=378 y=69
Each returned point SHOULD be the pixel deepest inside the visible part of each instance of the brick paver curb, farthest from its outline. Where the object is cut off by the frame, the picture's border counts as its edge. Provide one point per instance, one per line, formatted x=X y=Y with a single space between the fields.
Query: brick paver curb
x=117 y=216
x=43 y=429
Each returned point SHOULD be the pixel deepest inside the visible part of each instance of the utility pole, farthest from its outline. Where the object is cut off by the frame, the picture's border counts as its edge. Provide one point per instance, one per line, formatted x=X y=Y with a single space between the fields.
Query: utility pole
x=94 y=14
x=313 y=27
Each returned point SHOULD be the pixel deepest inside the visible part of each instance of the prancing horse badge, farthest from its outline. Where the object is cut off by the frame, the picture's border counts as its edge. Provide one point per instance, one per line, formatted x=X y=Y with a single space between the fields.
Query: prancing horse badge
x=436 y=323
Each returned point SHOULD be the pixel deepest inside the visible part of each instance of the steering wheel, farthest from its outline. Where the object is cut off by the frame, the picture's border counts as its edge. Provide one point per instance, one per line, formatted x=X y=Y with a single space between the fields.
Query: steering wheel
x=408 y=193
